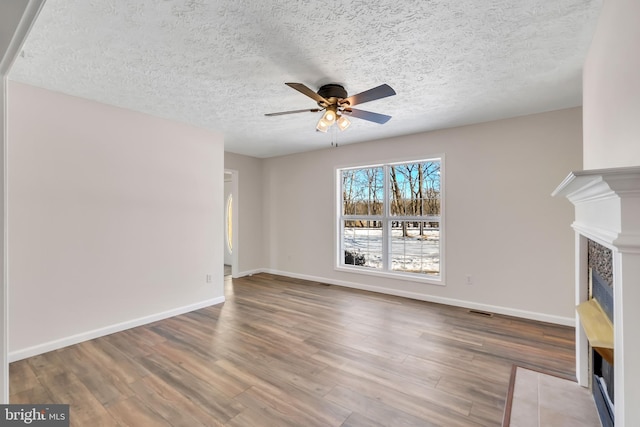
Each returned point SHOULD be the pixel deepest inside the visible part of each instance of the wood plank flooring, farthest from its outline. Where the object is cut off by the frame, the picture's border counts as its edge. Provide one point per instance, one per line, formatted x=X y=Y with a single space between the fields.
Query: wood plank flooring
x=286 y=352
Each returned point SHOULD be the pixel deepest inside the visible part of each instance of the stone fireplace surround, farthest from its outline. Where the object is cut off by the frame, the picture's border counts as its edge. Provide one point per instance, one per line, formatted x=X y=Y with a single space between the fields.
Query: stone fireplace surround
x=607 y=211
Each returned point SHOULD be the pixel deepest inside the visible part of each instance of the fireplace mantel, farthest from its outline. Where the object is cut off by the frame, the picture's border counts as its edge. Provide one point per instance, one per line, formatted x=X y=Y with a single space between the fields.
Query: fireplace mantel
x=607 y=205
x=607 y=211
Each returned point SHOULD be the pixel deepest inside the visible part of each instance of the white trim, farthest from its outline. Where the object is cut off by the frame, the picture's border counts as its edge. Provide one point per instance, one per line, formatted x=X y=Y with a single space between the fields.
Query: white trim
x=249 y=273
x=4 y=320
x=100 y=332
x=391 y=161
x=398 y=275
x=599 y=235
x=524 y=314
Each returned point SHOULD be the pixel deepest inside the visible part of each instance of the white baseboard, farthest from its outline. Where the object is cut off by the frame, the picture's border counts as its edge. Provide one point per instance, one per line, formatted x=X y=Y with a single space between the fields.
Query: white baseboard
x=100 y=332
x=96 y=333
x=507 y=311
x=249 y=273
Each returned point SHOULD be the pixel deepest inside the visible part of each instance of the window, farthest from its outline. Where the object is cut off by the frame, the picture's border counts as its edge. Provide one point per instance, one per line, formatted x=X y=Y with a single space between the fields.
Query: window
x=229 y=227
x=390 y=219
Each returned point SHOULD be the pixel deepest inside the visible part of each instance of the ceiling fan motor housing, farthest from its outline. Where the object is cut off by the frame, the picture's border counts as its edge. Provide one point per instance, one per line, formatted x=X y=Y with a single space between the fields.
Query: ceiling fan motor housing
x=331 y=90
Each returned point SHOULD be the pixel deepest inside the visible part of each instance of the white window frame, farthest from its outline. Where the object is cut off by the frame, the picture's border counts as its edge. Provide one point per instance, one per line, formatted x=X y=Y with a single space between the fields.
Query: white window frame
x=386 y=271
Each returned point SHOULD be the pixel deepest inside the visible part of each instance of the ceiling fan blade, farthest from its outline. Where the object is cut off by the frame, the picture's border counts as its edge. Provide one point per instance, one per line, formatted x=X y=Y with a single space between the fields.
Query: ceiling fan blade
x=306 y=91
x=367 y=115
x=381 y=91
x=282 y=113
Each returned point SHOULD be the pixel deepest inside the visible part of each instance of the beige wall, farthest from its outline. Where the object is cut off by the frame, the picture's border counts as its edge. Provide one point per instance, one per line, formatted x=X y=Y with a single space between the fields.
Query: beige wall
x=611 y=89
x=251 y=219
x=114 y=219
x=502 y=225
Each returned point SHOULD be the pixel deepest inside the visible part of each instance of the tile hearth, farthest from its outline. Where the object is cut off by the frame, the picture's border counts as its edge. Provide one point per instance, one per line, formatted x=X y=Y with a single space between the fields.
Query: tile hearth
x=544 y=400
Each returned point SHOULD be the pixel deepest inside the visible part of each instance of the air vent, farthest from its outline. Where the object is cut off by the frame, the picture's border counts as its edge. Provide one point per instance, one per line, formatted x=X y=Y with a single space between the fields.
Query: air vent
x=481 y=313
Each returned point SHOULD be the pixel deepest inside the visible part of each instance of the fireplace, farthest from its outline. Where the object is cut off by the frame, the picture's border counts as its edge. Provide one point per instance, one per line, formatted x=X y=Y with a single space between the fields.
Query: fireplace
x=600 y=270
x=607 y=214
x=603 y=391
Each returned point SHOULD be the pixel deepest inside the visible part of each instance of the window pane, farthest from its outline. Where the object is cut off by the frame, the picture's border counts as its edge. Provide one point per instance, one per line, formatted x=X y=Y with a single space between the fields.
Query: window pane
x=415 y=189
x=415 y=247
x=362 y=243
x=362 y=191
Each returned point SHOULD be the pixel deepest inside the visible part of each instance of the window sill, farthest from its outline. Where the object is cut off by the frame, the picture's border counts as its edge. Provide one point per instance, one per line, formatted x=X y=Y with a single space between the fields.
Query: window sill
x=429 y=280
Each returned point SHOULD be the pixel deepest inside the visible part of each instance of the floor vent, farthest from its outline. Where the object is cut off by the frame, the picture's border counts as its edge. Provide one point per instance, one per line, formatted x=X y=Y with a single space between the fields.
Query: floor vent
x=481 y=313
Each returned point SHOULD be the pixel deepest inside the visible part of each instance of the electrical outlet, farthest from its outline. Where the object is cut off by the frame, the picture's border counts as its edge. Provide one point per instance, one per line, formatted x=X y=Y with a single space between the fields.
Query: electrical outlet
x=469 y=281
x=208 y=278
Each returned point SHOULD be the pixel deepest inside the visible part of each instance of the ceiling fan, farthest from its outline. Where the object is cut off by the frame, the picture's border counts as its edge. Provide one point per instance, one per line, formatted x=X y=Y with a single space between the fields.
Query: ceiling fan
x=333 y=100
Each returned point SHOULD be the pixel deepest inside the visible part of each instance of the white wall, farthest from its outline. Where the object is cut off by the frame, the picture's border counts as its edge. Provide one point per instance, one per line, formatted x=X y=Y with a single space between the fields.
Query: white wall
x=611 y=89
x=251 y=216
x=502 y=225
x=611 y=97
x=114 y=219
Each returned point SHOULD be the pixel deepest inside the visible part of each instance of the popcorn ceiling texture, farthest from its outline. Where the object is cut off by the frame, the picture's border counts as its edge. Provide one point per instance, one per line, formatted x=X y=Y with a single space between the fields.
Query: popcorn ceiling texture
x=223 y=64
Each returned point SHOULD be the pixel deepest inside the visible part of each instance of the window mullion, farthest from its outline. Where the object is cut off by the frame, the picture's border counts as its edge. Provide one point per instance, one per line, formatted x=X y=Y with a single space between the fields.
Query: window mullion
x=362 y=217
x=386 y=229
x=416 y=218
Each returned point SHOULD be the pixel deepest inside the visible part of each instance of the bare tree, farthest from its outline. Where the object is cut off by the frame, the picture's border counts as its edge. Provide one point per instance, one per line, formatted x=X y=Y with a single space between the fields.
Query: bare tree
x=414 y=191
x=347 y=191
x=431 y=174
x=397 y=198
x=374 y=187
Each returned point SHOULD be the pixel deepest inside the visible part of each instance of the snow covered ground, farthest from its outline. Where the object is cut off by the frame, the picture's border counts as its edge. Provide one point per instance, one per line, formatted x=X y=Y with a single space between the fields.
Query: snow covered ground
x=414 y=253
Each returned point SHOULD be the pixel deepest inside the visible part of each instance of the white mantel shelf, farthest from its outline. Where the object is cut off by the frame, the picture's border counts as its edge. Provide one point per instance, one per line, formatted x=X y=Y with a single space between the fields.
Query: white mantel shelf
x=607 y=205
x=607 y=211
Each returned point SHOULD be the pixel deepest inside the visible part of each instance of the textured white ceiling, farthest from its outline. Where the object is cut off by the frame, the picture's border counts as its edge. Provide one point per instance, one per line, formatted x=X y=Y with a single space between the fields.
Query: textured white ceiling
x=222 y=64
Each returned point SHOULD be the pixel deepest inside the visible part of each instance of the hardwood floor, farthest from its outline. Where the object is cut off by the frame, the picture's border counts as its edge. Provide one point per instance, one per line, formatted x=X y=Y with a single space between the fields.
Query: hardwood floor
x=286 y=352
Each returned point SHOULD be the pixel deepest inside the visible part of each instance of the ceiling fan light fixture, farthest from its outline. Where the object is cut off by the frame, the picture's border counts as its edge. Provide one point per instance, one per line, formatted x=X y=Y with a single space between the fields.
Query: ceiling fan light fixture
x=323 y=125
x=329 y=116
x=343 y=122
